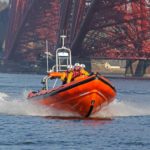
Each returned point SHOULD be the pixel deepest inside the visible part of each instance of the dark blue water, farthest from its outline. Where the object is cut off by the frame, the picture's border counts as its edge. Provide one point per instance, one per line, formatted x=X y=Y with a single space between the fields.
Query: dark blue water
x=24 y=127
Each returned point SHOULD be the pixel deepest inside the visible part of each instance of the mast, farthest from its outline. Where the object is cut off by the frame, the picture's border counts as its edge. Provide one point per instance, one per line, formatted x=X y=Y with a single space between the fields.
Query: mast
x=47 y=62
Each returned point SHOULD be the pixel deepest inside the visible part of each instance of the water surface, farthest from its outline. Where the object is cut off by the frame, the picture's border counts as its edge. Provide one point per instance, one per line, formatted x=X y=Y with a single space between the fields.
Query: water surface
x=23 y=126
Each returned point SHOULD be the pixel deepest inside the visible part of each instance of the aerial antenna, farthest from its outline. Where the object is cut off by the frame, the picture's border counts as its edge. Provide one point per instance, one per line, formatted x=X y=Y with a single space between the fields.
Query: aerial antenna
x=63 y=40
x=63 y=36
x=47 y=62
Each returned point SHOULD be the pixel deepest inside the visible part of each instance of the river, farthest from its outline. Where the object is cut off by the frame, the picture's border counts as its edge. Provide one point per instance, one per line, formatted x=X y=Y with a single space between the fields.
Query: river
x=123 y=125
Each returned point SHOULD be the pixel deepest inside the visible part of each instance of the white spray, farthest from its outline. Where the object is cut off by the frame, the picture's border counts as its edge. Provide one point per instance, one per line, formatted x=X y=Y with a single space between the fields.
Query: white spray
x=118 y=108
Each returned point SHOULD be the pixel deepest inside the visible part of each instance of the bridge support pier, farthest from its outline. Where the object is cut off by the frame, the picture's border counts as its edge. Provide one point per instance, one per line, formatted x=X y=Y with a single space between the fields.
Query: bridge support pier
x=129 y=67
x=137 y=68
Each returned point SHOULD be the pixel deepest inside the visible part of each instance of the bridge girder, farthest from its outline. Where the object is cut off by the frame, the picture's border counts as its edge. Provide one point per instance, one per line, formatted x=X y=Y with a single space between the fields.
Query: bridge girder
x=100 y=29
x=116 y=30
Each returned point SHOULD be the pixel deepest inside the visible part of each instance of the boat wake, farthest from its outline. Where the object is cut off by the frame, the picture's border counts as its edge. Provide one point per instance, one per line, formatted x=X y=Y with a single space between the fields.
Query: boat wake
x=118 y=108
x=11 y=106
x=124 y=109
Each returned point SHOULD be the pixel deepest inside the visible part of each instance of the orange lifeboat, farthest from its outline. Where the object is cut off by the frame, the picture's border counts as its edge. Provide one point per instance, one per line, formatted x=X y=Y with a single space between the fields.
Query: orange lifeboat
x=85 y=95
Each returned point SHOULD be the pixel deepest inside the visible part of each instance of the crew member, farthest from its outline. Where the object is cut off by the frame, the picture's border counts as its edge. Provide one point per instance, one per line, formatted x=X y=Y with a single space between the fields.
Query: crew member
x=79 y=71
x=83 y=71
x=65 y=76
x=60 y=75
x=69 y=73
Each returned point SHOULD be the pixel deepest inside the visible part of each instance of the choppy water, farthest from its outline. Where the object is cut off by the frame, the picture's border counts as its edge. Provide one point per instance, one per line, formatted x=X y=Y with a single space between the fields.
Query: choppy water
x=24 y=127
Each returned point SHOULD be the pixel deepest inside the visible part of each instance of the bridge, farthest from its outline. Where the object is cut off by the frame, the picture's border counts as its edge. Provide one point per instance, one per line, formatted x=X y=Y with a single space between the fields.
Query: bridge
x=95 y=29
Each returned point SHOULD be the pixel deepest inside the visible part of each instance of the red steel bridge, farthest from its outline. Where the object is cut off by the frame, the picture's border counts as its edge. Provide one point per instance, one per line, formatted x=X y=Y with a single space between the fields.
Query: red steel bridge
x=95 y=29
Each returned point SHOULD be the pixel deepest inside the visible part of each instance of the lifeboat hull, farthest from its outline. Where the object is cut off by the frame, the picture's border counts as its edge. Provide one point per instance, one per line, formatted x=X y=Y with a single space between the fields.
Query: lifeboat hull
x=85 y=96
